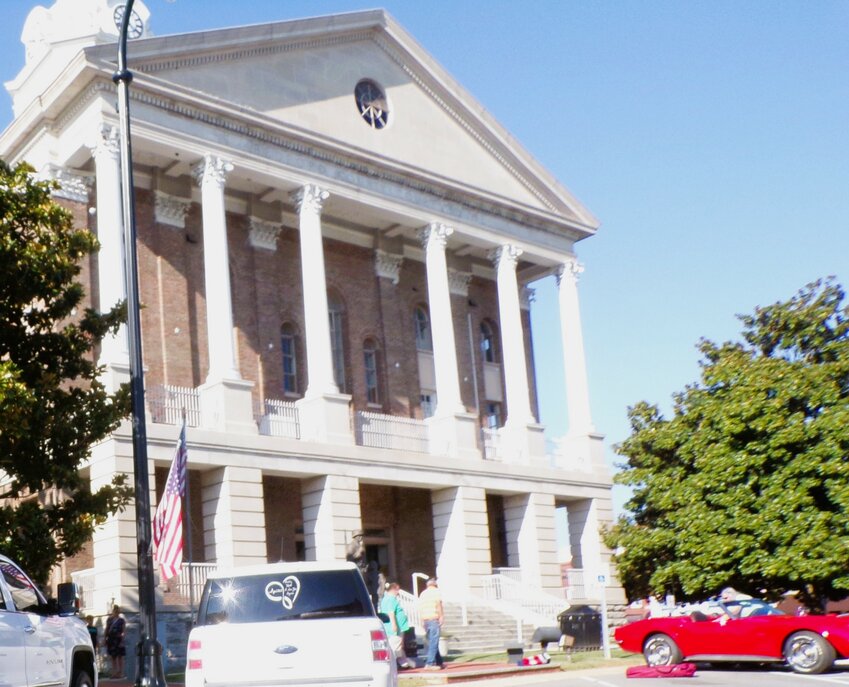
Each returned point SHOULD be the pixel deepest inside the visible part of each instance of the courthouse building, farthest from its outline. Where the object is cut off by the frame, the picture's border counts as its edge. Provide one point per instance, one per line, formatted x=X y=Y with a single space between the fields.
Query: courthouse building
x=334 y=244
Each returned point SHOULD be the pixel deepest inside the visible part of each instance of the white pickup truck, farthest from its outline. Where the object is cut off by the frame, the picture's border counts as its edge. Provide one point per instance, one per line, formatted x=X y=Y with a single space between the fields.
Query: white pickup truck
x=292 y=624
x=42 y=643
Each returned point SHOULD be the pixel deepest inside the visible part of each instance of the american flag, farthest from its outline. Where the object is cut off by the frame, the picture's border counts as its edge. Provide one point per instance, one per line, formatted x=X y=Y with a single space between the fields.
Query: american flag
x=168 y=521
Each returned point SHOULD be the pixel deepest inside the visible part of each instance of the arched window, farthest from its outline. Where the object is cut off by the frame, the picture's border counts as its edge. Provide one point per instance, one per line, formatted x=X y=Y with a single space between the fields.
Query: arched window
x=489 y=342
x=289 y=355
x=424 y=340
x=336 y=311
x=371 y=360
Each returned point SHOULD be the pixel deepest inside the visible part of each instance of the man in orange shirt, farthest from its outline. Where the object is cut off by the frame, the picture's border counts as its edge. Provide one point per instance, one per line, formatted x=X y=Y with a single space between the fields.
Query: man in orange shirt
x=431 y=613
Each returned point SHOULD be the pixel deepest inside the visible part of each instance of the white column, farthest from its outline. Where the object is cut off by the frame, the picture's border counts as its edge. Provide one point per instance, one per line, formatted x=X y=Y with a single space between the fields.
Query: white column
x=512 y=337
x=210 y=175
x=110 y=232
x=233 y=516
x=461 y=538
x=434 y=238
x=309 y=201
x=331 y=512
x=577 y=390
x=532 y=539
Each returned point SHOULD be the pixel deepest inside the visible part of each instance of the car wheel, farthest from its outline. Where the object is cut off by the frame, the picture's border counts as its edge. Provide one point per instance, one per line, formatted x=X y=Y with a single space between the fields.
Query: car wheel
x=82 y=679
x=661 y=650
x=808 y=653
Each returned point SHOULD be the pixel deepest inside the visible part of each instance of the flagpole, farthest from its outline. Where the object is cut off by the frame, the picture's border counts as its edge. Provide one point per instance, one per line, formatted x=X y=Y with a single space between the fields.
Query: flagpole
x=187 y=513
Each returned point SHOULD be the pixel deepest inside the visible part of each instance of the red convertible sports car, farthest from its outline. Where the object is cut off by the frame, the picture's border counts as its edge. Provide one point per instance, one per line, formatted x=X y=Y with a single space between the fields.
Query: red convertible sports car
x=741 y=630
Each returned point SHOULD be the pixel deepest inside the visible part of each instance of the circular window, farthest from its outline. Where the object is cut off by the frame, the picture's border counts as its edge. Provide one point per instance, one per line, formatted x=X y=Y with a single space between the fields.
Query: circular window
x=371 y=102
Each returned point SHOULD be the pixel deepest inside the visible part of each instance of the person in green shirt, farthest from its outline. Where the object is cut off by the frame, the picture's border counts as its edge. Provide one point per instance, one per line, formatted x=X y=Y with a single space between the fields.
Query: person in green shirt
x=397 y=624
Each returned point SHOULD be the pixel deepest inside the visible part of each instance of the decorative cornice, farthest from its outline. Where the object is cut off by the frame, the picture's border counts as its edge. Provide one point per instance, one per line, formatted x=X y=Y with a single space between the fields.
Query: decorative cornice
x=263 y=235
x=571 y=270
x=104 y=88
x=508 y=253
x=171 y=210
x=72 y=186
x=212 y=171
x=309 y=199
x=435 y=234
x=458 y=282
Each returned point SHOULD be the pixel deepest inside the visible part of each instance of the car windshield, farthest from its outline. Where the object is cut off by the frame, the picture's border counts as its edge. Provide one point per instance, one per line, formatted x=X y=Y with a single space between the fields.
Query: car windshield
x=273 y=597
x=746 y=608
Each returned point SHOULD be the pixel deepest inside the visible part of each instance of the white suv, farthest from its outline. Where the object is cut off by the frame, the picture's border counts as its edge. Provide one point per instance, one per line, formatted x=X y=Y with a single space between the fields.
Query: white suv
x=289 y=624
x=41 y=642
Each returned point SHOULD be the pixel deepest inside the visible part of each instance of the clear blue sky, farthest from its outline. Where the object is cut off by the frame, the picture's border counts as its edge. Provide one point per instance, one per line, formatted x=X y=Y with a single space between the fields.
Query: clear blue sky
x=710 y=137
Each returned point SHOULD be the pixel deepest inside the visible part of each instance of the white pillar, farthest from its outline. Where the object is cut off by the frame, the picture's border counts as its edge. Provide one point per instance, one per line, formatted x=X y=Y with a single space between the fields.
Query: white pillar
x=461 y=538
x=512 y=337
x=309 y=201
x=233 y=516
x=577 y=390
x=448 y=400
x=532 y=539
x=114 y=352
x=210 y=175
x=331 y=512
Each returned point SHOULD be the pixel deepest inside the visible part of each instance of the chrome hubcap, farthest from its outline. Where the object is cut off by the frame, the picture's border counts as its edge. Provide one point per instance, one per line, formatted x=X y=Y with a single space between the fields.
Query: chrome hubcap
x=804 y=653
x=658 y=652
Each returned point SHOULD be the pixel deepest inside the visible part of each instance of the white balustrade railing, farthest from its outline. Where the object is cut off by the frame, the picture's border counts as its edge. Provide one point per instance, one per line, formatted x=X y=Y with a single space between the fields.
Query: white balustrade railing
x=512 y=573
x=491 y=441
x=279 y=419
x=168 y=402
x=378 y=430
x=411 y=607
x=530 y=603
x=192 y=578
x=85 y=581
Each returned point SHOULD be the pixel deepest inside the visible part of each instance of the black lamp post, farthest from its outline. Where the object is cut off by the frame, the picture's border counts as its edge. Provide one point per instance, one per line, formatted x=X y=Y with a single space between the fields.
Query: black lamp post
x=149 y=671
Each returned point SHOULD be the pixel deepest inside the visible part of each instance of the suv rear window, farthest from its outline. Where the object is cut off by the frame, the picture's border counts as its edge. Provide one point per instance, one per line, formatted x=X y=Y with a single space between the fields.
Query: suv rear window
x=294 y=596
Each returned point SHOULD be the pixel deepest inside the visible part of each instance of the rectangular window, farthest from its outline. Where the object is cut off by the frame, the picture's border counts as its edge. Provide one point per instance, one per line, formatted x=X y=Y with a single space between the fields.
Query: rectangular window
x=338 y=351
x=290 y=369
x=492 y=418
x=372 y=390
x=428 y=403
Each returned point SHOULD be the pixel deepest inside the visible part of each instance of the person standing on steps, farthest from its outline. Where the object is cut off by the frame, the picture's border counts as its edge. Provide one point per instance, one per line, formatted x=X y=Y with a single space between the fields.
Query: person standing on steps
x=398 y=623
x=431 y=613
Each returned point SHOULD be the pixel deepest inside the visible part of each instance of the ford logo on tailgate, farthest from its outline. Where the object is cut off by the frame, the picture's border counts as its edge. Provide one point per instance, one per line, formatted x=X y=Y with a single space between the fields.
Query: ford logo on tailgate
x=285 y=649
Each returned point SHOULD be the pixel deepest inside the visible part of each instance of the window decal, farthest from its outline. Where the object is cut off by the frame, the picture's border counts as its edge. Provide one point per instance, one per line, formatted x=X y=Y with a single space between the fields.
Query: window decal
x=286 y=592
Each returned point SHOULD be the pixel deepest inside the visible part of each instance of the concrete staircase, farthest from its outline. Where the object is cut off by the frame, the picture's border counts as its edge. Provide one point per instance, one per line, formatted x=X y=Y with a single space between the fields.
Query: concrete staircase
x=487 y=630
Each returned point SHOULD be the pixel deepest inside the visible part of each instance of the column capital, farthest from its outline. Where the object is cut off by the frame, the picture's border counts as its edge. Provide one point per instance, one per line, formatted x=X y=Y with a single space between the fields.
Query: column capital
x=310 y=198
x=458 y=282
x=72 y=186
x=264 y=234
x=435 y=233
x=571 y=269
x=388 y=265
x=507 y=252
x=212 y=170
x=171 y=210
x=107 y=142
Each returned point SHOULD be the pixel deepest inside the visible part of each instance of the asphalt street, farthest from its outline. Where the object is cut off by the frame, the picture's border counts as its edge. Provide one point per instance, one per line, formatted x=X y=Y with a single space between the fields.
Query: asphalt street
x=703 y=678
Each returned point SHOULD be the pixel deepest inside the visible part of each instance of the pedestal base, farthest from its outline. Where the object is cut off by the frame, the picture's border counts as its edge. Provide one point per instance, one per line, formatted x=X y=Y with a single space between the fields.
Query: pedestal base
x=454 y=435
x=326 y=418
x=226 y=405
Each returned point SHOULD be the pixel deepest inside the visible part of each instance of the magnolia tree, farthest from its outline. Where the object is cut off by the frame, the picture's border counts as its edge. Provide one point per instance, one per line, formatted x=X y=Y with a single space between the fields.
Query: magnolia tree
x=747 y=484
x=52 y=408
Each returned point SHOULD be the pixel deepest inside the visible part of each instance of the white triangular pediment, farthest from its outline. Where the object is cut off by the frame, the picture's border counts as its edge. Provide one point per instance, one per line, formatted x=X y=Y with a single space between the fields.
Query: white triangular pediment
x=304 y=77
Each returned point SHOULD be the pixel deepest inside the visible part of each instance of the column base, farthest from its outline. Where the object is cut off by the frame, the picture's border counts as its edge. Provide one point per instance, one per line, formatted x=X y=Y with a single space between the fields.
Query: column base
x=226 y=405
x=522 y=443
x=454 y=435
x=582 y=452
x=326 y=418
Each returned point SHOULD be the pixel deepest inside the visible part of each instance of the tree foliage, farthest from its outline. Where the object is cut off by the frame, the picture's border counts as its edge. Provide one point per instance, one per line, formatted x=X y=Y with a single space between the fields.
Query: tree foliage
x=52 y=408
x=747 y=483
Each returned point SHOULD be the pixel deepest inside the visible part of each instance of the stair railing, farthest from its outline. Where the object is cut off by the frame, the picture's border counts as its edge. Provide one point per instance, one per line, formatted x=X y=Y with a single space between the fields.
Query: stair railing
x=523 y=601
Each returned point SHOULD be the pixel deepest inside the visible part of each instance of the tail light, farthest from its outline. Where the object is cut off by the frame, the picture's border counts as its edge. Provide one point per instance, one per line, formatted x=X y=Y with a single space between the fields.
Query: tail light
x=380 y=651
x=194 y=660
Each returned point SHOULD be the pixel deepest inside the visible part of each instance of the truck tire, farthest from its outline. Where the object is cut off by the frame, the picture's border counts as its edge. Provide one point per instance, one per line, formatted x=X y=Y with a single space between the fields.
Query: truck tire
x=82 y=679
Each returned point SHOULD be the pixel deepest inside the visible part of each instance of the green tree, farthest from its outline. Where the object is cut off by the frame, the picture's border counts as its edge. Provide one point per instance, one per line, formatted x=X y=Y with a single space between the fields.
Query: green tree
x=747 y=484
x=52 y=408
